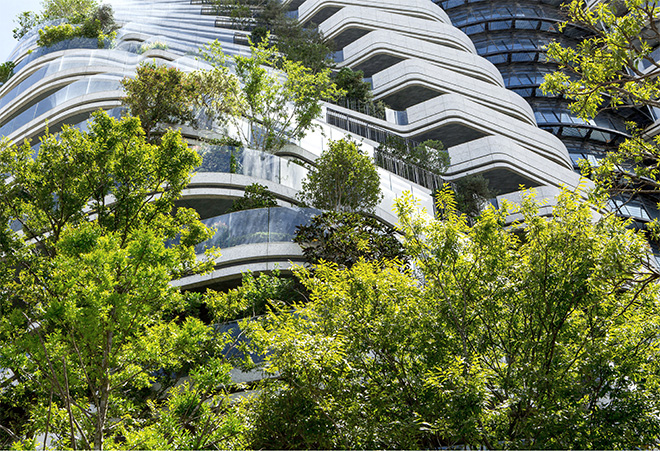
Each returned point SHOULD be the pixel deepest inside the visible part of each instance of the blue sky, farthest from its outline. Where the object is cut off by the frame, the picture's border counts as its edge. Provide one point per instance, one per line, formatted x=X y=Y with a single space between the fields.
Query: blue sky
x=8 y=10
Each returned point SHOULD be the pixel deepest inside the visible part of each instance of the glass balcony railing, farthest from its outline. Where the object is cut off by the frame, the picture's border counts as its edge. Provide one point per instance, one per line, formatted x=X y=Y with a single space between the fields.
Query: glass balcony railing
x=262 y=225
x=252 y=163
x=97 y=83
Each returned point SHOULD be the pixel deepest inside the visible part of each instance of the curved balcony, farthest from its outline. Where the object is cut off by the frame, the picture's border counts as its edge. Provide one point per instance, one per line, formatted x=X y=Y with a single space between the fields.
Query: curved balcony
x=353 y=22
x=43 y=109
x=414 y=81
x=261 y=225
x=252 y=240
x=316 y=11
x=251 y=163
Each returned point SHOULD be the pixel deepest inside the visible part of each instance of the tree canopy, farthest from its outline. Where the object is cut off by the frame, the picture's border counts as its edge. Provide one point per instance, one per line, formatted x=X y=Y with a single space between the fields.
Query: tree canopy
x=90 y=321
x=342 y=179
x=160 y=96
x=279 y=106
x=614 y=66
x=542 y=336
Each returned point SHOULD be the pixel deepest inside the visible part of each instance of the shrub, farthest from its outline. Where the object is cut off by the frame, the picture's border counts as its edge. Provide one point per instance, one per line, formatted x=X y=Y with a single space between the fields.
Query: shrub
x=157 y=45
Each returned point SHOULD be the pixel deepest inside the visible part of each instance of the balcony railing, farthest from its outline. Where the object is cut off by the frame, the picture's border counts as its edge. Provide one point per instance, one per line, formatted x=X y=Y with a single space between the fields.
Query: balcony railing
x=261 y=225
x=252 y=163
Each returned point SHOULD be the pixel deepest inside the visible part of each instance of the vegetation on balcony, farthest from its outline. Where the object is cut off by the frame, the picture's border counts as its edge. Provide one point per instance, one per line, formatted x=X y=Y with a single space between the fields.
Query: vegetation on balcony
x=80 y=19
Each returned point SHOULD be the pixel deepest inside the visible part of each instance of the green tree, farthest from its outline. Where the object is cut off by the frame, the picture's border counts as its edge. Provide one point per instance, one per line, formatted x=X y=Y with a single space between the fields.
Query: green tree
x=430 y=155
x=89 y=320
x=342 y=179
x=6 y=71
x=542 y=336
x=352 y=82
x=345 y=238
x=278 y=106
x=614 y=66
x=472 y=194
x=160 y=96
x=75 y=11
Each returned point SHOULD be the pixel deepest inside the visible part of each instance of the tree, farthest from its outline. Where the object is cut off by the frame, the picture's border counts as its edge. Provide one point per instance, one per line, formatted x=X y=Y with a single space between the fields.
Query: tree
x=352 y=83
x=429 y=155
x=472 y=194
x=614 y=66
x=75 y=11
x=278 y=106
x=345 y=238
x=6 y=71
x=342 y=179
x=89 y=320
x=542 y=336
x=160 y=96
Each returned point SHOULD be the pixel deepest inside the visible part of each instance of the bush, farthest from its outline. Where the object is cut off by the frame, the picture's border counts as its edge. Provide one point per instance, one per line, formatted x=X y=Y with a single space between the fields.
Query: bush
x=100 y=24
x=51 y=35
x=158 y=45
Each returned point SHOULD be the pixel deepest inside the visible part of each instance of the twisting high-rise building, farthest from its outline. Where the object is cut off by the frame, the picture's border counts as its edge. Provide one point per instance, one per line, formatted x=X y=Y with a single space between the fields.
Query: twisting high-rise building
x=512 y=34
x=428 y=72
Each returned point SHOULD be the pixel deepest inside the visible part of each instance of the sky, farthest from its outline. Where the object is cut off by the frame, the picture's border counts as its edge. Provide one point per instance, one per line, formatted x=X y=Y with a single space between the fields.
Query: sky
x=8 y=10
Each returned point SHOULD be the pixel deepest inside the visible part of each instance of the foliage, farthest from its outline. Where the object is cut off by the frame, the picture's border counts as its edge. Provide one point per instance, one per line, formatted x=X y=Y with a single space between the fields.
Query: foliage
x=296 y=43
x=542 y=336
x=345 y=238
x=605 y=68
x=74 y=11
x=155 y=45
x=614 y=67
x=6 y=71
x=472 y=194
x=191 y=417
x=219 y=92
x=277 y=109
x=257 y=295
x=304 y=45
x=89 y=319
x=82 y=19
x=352 y=83
x=256 y=196
x=430 y=155
x=26 y=21
x=343 y=179
x=243 y=13
x=159 y=96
